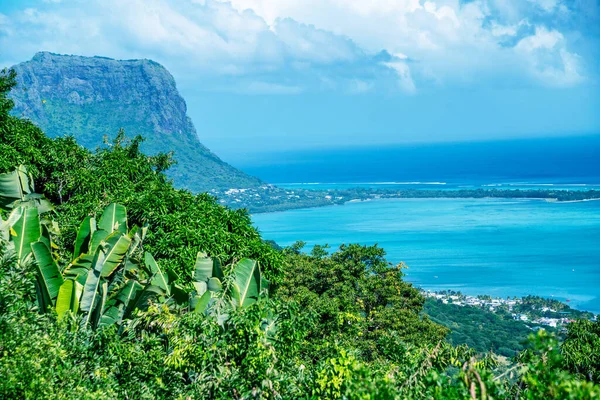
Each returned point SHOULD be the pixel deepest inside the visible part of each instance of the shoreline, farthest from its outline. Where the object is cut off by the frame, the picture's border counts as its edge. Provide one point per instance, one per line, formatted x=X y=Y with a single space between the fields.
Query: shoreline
x=487 y=299
x=290 y=207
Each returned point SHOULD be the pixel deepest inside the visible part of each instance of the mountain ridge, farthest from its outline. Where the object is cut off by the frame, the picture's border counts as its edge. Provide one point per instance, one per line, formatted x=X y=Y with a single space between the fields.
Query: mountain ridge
x=93 y=97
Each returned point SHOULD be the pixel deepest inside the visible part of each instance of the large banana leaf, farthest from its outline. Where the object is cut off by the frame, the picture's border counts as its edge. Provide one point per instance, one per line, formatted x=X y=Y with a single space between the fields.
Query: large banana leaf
x=25 y=231
x=98 y=236
x=214 y=285
x=84 y=236
x=207 y=268
x=78 y=269
x=117 y=246
x=45 y=236
x=114 y=218
x=92 y=291
x=15 y=186
x=116 y=306
x=49 y=279
x=160 y=278
x=68 y=297
x=246 y=283
x=100 y=305
x=200 y=287
x=201 y=303
x=34 y=200
x=6 y=227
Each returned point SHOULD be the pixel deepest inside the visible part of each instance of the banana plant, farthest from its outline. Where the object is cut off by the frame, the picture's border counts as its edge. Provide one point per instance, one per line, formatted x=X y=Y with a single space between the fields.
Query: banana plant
x=105 y=282
x=17 y=189
x=106 y=279
x=25 y=224
x=240 y=288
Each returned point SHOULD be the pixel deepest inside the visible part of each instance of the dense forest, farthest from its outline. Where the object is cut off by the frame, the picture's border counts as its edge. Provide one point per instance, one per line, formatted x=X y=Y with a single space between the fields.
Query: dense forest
x=114 y=284
x=480 y=329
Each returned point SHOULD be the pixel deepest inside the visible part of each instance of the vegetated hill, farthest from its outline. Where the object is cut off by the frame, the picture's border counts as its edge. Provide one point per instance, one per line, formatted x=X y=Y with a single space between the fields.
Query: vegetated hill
x=90 y=97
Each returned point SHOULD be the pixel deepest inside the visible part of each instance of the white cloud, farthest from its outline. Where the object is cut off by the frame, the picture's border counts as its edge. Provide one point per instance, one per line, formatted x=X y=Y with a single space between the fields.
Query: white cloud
x=314 y=44
x=405 y=80
x=453 y=41
x=549 y=59
x=546 y=5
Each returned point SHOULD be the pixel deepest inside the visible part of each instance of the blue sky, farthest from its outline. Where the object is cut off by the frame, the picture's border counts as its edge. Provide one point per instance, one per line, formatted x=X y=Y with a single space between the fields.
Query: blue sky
x=290 y=74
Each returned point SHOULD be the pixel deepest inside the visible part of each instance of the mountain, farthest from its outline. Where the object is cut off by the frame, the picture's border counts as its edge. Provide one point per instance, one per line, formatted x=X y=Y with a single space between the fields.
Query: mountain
x=91 y=97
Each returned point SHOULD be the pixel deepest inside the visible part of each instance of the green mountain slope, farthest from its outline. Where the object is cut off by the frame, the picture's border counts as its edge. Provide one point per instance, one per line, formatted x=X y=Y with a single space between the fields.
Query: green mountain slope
x=90 y=97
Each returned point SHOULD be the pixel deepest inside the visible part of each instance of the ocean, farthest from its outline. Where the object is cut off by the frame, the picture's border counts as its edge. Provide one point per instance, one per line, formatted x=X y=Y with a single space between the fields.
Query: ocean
x=478 y=246
x=565 y=161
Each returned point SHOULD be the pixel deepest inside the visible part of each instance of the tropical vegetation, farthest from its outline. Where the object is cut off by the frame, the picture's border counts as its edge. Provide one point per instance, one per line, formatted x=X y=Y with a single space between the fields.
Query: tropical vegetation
x=114 y=284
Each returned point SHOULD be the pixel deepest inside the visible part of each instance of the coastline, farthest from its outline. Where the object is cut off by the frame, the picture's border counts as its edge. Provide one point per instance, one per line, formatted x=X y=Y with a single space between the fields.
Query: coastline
x=448 y=194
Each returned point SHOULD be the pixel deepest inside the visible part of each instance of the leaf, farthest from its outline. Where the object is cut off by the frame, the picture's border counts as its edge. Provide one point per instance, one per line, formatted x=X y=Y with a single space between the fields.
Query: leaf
x=200 y=287
x=49 y=279
x=114 y=218
x=97 y=237
x=205 y=266
x=214 y=285
x=202 y=303
x=68 y=297
x=159 y=278
x=264 y=283
x=246 y=283
x=6 y=227
x=28 y=231
x=34 y=200
x=14 y=186
x=117 y=306
x=84 y=236
x=180 y=295
x=78 y=269
x=99 y=308
x=91 y=290
x=117 y=246
x=136 y=239
x=173 y=277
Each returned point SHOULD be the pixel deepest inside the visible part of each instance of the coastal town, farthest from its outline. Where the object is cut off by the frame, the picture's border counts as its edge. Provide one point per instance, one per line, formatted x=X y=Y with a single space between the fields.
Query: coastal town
x=530 y=309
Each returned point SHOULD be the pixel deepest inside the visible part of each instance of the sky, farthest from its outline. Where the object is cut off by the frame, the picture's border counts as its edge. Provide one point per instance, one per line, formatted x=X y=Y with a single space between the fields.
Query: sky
x=278 y=75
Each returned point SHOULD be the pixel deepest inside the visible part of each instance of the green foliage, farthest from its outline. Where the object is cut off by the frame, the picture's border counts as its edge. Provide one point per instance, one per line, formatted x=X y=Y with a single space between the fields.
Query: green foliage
x=544 y=375
x=8 y=80
x=479 y=329
x=581 y=349
x=537 y=307
x=360 y=299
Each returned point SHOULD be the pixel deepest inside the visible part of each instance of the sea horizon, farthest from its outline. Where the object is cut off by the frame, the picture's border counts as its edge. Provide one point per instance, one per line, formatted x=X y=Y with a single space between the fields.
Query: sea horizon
x=566 y=161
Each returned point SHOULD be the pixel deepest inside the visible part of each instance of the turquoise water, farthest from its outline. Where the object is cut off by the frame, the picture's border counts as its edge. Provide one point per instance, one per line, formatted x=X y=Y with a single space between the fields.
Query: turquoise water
x=478 y=246
x=441 y=186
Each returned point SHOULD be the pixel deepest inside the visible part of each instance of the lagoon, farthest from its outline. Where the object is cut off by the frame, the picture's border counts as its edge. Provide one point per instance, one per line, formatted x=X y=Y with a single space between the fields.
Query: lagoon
x=500 y=247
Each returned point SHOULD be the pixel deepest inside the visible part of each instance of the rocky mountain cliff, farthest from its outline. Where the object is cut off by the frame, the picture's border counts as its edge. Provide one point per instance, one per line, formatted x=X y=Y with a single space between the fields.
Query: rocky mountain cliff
x=90 y=97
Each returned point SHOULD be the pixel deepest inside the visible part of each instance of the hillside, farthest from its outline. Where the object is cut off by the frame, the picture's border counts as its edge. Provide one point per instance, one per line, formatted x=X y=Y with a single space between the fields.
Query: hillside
x=90 y=97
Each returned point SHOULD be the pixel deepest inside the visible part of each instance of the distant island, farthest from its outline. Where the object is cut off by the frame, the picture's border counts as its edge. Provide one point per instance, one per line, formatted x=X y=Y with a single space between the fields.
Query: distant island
x=269 y=198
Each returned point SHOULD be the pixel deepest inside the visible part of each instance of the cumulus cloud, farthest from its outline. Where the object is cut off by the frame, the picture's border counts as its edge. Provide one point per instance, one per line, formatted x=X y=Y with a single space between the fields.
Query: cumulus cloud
x=454 y=41
x=549 y=59
x=270 y=46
